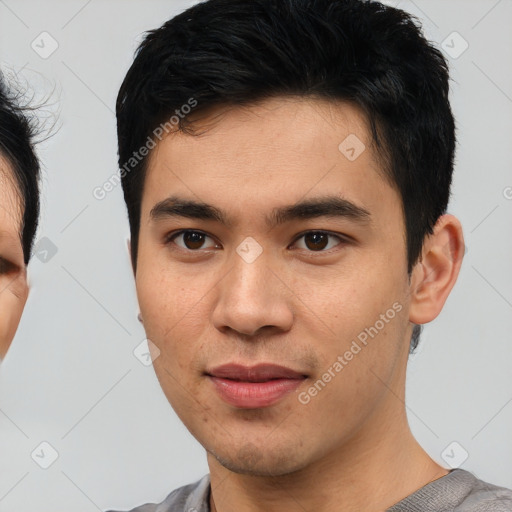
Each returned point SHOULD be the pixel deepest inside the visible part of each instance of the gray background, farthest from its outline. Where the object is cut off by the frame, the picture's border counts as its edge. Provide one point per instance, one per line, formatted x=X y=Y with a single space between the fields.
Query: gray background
x=71 y=378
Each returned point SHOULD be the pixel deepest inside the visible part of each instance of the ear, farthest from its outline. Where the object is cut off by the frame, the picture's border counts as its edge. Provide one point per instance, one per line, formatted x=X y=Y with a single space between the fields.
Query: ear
x=13 y=297
x=435 y=273
x=129 y=245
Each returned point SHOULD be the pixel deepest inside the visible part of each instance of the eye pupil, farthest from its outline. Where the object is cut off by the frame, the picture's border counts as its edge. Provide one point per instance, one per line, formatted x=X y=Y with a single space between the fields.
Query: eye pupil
x=318 y=241
x=193 y=239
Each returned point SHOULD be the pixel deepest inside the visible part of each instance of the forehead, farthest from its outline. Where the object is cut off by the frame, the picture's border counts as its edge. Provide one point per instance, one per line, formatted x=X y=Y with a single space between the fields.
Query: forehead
x=279 y=121
x=289 y=142
x=10 y=203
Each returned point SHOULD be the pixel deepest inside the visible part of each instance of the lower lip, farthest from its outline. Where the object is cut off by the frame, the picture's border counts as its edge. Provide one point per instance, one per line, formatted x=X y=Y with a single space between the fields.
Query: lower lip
x=253 y=395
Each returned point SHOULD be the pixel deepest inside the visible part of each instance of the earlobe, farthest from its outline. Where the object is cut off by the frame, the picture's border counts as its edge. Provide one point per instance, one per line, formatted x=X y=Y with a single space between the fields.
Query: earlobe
x=436 y=272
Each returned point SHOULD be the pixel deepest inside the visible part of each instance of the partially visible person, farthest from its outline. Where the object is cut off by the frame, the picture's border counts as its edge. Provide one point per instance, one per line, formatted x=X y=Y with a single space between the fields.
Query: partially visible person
x=19 y=210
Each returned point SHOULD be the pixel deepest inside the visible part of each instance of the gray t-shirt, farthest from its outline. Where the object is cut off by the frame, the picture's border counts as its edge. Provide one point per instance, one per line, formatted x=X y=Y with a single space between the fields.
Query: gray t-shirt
x=458 y=491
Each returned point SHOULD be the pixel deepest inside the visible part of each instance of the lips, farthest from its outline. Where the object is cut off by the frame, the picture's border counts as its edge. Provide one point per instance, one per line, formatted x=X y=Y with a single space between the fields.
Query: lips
x=256 y=386
x=259 y=373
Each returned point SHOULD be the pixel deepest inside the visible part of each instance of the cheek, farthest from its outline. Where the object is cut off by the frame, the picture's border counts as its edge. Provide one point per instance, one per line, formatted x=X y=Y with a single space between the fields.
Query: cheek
x=174 y=308
x=362 y=312
x=351 y=297
x=358 y=369
x=11 y=308
x=160 y=299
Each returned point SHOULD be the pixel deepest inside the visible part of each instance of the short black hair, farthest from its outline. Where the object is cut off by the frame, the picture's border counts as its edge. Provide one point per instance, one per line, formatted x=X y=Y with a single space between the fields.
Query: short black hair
x=17 y=132
x=238 y=52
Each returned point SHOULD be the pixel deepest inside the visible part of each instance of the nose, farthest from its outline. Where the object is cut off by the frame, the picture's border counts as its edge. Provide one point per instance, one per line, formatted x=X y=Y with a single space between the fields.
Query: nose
x=253 y=297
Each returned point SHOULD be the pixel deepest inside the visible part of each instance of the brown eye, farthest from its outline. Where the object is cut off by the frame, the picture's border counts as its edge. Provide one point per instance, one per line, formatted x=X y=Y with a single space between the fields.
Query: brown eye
x=191 y=240
x=318 y=241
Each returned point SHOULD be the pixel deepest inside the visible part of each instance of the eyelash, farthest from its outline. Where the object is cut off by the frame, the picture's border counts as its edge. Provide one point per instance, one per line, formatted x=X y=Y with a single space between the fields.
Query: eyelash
x=342 y=239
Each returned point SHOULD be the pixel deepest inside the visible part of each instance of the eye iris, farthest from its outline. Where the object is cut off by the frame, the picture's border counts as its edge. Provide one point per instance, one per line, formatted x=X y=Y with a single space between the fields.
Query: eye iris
x=193 y=239
x=318 y=240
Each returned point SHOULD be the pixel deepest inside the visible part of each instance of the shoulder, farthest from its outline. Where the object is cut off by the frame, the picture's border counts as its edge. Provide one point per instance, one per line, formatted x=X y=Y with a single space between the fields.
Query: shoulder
x=485 y=497
x=194 y=496
x=458 y=491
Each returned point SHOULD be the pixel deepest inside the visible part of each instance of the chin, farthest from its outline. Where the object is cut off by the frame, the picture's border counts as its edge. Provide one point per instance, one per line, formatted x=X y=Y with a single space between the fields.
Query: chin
x=250 y=460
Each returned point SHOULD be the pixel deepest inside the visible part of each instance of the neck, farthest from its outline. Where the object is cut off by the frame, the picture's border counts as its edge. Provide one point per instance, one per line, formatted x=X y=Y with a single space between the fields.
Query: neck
x=328 y=486
x=379 y=466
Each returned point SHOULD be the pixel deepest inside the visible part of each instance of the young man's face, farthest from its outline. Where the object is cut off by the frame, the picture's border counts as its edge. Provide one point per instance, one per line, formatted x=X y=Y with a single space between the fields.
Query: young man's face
x=13 y=283
x=331 y=309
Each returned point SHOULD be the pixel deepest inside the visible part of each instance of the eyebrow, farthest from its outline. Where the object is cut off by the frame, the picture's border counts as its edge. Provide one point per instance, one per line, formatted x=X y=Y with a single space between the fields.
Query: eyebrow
x=325 y=206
